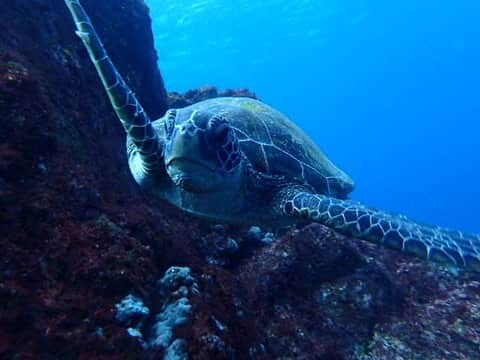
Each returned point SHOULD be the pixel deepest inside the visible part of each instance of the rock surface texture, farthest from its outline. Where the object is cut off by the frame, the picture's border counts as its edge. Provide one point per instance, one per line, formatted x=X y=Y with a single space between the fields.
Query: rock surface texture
x=77 y=236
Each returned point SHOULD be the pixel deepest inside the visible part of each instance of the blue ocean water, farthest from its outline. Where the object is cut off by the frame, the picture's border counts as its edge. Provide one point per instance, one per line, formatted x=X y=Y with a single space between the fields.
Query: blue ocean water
x=389 y=90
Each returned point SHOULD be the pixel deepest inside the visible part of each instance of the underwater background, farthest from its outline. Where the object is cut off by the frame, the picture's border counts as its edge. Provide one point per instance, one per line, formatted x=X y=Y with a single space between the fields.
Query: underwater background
x=388 y=90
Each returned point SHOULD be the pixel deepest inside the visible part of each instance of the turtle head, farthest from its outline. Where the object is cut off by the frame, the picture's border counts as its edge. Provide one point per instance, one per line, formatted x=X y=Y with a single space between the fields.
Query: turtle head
x=202 y=152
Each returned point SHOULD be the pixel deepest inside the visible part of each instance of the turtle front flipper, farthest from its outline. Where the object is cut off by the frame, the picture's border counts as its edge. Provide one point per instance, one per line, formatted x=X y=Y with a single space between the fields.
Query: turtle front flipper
x=395 y=231
x=136 y=122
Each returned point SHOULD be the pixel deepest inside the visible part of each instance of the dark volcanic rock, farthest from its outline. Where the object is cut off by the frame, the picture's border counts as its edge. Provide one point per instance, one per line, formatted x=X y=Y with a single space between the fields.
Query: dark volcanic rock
x=77 y=234
x=73 y=225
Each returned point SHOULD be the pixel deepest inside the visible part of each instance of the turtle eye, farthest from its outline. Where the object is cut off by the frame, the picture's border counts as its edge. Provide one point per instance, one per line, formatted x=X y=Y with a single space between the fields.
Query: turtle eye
x=220 y=131
x=216 y=120
x=169 y=123
x=223 y=134
x=222 y=138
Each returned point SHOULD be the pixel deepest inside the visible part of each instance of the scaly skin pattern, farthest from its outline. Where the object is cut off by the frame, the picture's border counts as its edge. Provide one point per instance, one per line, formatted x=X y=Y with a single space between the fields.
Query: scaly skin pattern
x=136 y=122
x=395 y=231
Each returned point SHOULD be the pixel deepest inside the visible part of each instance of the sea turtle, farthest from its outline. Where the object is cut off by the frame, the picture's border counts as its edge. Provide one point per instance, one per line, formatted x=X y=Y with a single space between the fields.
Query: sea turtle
x=239 y=160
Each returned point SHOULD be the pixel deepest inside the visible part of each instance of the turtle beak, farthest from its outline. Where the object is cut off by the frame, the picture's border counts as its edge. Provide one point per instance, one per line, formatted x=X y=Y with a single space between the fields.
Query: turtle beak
x=186 y=159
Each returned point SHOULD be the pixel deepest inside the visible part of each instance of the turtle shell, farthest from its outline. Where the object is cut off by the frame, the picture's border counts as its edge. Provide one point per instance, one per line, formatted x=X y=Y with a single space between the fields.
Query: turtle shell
x=276 y=146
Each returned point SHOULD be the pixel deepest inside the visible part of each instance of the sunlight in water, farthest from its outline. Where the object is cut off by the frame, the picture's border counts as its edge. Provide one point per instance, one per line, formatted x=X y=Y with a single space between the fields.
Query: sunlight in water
x=388 y=90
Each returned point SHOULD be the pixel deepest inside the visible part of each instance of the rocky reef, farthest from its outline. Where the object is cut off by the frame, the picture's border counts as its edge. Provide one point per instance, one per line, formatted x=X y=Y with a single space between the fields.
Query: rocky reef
x=178 y=100
x=93 y=268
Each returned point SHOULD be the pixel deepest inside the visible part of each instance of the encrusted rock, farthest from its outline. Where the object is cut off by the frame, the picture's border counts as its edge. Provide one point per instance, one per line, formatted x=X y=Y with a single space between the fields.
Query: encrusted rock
x=131 y=308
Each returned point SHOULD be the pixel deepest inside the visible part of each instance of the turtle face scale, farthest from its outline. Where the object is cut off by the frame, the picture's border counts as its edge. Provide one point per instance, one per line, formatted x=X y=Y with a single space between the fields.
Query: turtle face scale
x=201 y=152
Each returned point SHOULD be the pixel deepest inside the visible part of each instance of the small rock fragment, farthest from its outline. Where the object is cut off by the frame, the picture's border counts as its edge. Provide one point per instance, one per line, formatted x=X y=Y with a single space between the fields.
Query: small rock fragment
x=173 y=315
x=175 y=277
x=255 y=233
x=131 y=307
